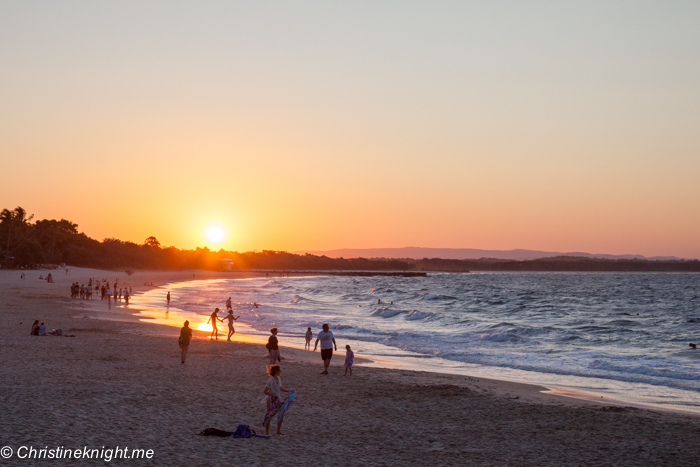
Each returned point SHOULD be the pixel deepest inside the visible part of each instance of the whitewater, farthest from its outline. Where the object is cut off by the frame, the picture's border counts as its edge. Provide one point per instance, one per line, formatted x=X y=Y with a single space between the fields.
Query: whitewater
x=623 y=336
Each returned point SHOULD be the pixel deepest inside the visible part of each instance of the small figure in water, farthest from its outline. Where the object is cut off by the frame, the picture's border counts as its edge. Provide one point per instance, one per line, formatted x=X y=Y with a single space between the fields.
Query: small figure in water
x=168 y=298
x=379 y=301
x=184 y=340
x=214 y=330
x=230 y=319
x=228 y=304
x=255 y=304
x=692 y=346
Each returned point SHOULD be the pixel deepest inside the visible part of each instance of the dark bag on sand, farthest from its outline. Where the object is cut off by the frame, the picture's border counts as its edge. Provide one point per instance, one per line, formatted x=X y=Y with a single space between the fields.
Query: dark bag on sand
x=215 y=432
x=243 y=431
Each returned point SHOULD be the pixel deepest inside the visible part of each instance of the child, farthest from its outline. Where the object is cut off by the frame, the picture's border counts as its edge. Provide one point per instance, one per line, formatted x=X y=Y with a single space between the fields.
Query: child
x=309 y=335
x=274 y=398
x=349 y=357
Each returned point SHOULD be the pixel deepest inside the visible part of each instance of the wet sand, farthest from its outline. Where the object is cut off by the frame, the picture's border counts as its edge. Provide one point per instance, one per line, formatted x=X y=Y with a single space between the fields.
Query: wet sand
x=119 y=382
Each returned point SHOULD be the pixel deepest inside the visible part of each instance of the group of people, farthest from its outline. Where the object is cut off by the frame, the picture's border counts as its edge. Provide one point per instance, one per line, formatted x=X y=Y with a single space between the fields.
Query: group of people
x=84 y=292
x=274 y=387
x=39 y=329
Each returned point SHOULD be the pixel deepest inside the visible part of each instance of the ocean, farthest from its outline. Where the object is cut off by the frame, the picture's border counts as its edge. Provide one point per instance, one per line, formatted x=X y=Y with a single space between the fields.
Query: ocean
x=622 y=336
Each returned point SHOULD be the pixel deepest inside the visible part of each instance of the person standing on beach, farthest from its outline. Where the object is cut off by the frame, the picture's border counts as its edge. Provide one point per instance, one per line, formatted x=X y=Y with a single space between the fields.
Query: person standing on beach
x=273 y=347
x=184 y=340
x=273 y=390
x=309 y=336
x=168 y=298
x=213 y=318
x=349 y=357
x=327 y=344
x=228 y=304
x=230 y=319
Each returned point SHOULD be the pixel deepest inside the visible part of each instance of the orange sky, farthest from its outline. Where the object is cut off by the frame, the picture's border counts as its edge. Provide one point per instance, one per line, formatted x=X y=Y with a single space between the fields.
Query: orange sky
x=318 y=126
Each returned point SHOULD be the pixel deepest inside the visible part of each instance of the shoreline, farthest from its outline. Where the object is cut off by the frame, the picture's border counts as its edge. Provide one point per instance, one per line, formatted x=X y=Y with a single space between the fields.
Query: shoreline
x=549 y=390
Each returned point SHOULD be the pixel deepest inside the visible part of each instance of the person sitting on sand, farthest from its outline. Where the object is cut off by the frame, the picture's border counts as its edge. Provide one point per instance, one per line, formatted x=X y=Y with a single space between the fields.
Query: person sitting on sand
x=327 y=344
x=35 y=328
x=230 y=319
x=213 y=318
x=273 y=390
x=349 y=357
x=184 y=340
x=273 y=347
x=42 y=329
x=309 y=336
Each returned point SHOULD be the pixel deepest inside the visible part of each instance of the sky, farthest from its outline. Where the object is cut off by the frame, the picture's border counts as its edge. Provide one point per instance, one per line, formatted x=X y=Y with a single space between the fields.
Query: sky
x=313 y=125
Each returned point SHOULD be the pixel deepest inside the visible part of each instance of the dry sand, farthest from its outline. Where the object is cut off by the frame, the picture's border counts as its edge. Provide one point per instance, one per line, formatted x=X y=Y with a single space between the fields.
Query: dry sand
x=120 y=383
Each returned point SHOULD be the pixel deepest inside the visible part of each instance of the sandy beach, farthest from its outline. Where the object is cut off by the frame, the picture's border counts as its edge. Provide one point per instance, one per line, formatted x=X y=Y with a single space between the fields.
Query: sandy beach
x=119 y=382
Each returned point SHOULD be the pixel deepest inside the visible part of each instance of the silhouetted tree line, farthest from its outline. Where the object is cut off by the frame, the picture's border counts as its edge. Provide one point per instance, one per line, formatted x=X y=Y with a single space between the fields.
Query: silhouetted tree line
x=558 y=263
x=48 y=241
x=23 y=243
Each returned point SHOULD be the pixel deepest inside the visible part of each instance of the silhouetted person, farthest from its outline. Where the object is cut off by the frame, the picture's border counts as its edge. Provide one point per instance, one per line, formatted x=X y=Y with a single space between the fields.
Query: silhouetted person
x=230 y=319
x=213 y=318
x=184 y=340
x=168 y=298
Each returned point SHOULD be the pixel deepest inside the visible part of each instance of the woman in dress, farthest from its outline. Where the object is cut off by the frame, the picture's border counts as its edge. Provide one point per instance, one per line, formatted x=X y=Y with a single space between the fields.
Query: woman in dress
x=274 y=398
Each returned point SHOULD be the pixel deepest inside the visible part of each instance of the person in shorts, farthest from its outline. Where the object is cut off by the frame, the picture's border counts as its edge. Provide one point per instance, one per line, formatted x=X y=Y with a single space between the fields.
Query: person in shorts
x=327 y=345
x=273 y=347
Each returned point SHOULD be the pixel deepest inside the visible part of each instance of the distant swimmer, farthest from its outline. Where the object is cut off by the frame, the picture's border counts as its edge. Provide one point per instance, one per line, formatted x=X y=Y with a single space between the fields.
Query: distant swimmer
x=213 y=318
x=228 y=304
x=255 y=304
x=230 y=319
x=692 y=346
x=168 y=298
x=379 y=301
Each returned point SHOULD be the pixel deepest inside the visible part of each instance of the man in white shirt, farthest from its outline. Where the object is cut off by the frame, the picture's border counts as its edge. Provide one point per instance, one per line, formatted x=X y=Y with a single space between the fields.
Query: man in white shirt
x=327 y=344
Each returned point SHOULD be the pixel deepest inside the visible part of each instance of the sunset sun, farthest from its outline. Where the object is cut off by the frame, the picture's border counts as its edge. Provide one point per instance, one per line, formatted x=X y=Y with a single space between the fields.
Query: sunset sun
x=215 y=234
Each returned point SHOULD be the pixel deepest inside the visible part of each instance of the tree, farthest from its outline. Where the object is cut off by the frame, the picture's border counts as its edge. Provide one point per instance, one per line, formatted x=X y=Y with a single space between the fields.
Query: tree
x=15 y=223
x=152 y=242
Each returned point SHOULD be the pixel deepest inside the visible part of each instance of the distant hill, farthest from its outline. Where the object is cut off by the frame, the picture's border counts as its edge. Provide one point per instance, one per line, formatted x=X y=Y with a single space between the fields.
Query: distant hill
x=465 y=253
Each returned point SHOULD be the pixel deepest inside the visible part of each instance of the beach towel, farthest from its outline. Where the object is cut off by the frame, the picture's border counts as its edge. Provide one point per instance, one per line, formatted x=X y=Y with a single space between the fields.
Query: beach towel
x=285 y=405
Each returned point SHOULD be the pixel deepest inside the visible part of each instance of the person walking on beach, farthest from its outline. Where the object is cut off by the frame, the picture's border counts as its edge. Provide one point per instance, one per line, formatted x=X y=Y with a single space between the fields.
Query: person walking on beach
x=168 y=298
x=309 y=335
x=349 y=357
x=273 y=390
x=228 y=304
x=213 y=318
x=184 y=340
x=273 y=347
x=327 y=344
x=230 y=319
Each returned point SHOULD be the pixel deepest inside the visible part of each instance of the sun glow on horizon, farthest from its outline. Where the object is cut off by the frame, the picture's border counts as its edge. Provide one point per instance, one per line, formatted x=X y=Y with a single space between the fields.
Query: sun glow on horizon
x=215 y=234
